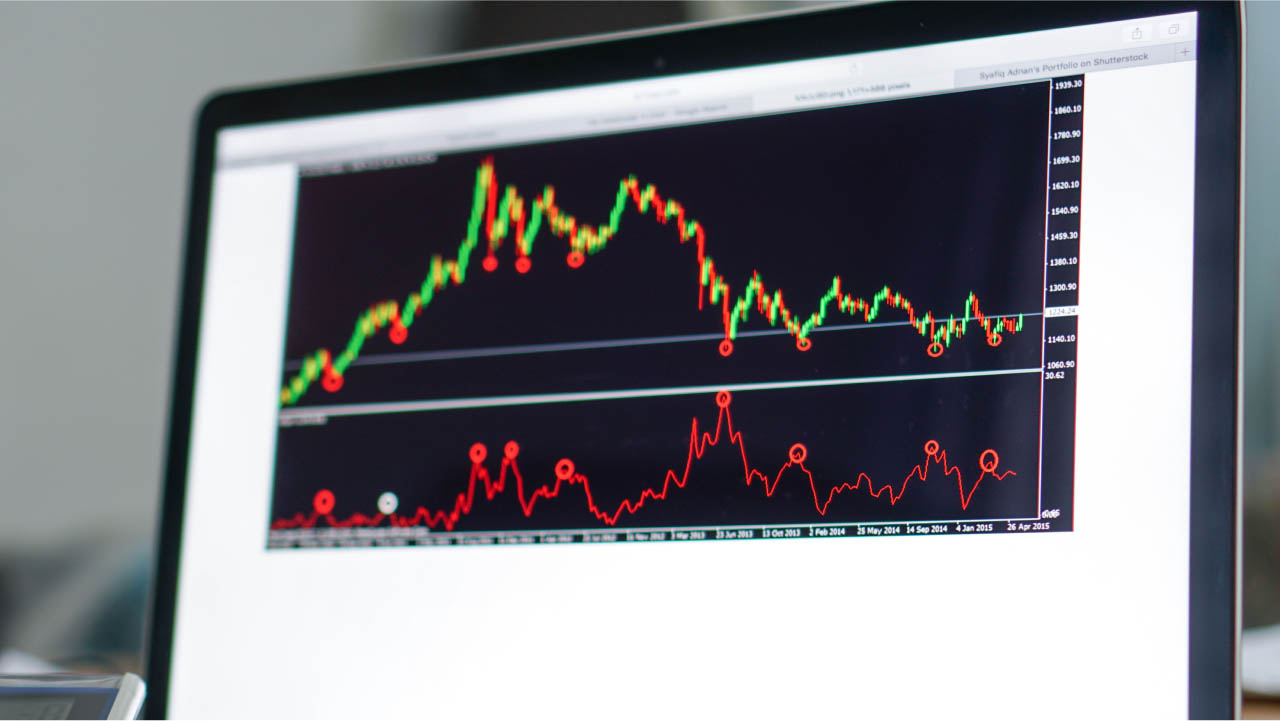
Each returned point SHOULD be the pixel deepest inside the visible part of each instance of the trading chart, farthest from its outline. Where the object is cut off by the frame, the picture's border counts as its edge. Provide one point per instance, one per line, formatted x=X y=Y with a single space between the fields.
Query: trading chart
x=850 y=321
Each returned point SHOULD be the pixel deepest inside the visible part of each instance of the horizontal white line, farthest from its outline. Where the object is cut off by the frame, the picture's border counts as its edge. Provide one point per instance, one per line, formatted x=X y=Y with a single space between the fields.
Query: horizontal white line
x=505 y=350
x=442 y=404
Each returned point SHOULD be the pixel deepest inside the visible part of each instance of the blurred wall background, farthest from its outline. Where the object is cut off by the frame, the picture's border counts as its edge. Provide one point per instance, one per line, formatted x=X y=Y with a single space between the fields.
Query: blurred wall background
x=96 y=104
x=1262 y=326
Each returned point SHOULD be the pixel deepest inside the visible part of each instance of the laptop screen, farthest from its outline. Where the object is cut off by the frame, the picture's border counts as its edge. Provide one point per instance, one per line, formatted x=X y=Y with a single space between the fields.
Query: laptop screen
x=855 y=382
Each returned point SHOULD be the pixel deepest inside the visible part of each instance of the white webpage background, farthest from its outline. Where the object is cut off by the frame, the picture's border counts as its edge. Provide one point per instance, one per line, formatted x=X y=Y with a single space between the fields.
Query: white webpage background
x=962 y=626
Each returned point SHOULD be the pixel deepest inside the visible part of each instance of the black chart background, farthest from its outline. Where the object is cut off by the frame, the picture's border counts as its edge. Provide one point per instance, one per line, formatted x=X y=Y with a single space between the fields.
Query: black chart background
x=934 y=196
x=626 y=446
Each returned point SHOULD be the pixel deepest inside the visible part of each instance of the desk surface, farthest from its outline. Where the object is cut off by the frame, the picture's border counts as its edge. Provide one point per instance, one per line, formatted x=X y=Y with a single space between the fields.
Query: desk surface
x=1260 y=709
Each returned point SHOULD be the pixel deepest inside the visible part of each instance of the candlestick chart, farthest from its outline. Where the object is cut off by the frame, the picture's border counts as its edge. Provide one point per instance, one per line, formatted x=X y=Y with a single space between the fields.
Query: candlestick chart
x=725 y=328
x=499 y=217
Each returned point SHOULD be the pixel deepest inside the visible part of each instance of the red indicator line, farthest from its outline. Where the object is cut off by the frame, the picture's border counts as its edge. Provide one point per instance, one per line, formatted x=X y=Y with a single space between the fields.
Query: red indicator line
x=483 y=482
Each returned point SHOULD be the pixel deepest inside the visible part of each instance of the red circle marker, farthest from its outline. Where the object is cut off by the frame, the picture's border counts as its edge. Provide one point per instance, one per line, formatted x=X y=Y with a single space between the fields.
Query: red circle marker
x=989 y=466
x=995 y=340
x=490 y=263
x=934 y=350
x=511 y=450
x=523 y=263
x=798 y=453
x=398 y=334
x=575 y=259
x=478 y=453
x=723 y=398
x=331 y=382
x=564 y=469
x=726 y=347
x=931 y=448
x=323 y=502
x=803 y=344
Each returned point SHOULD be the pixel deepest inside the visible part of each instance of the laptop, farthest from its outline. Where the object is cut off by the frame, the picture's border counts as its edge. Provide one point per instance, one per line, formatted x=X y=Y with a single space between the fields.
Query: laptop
x=877 y=360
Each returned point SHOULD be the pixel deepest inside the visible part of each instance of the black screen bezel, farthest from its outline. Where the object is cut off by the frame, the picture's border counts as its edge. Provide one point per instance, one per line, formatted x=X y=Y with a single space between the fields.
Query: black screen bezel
x=1213 y=627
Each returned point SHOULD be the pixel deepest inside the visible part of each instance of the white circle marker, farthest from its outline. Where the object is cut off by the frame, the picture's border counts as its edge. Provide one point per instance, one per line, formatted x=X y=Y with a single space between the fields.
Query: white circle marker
x=387 y=503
